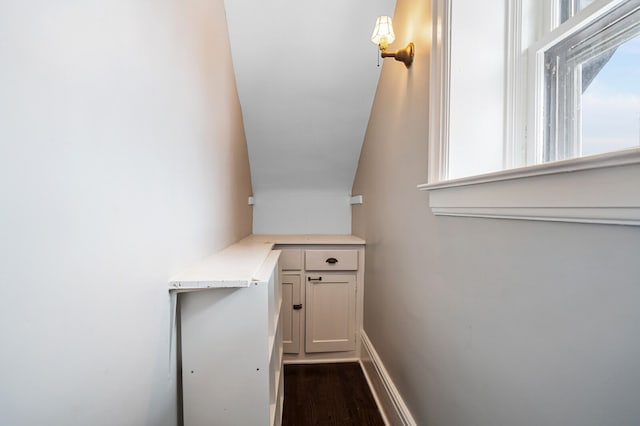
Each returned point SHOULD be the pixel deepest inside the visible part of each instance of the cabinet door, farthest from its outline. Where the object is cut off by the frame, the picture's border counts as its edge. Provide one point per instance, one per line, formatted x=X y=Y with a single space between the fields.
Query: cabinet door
x=291 y=308
x=330 y=312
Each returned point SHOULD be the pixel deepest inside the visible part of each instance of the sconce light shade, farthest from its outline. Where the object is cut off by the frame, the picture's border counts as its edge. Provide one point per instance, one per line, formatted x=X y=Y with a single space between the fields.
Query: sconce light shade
x=383 y=32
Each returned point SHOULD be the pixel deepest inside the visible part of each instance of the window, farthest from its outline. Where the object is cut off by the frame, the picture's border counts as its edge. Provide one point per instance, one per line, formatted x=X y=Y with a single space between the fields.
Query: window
x=526 y=116
x=592 y=87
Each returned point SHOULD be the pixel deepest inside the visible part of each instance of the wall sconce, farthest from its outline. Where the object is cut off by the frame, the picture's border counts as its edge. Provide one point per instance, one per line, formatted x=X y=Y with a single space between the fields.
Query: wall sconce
x=383 y=35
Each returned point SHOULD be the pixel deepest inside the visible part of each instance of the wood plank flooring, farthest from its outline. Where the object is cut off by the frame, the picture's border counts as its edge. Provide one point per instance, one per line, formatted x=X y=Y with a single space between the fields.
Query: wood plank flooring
x=328 y=394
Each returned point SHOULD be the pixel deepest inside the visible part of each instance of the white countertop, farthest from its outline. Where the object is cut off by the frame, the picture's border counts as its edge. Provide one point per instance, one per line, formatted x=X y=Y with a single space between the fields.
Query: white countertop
x=240 y=264
x=306 y=239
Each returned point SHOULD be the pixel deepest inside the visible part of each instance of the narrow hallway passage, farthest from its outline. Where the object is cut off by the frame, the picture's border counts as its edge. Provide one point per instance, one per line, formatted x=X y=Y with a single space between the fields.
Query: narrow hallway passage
x=328 y=394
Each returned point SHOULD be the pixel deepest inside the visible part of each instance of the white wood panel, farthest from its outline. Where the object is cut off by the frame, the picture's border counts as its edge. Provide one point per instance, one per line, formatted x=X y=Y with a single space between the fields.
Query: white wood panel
x=225 y=362
x=232 y=352
x=319 y=260
x=330 y=312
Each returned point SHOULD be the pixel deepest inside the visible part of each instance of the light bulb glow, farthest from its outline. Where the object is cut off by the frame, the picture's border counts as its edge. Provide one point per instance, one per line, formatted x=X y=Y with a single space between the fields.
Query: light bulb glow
x=383 y=32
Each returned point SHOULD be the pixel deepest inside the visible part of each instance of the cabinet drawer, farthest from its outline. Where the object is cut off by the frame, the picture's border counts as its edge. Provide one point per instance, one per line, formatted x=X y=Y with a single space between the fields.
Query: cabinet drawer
x=291 y=259
x=331 y=260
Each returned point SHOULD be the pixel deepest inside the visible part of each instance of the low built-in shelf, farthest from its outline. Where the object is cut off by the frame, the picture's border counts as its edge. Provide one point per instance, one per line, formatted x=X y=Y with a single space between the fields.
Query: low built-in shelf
x=231 y=331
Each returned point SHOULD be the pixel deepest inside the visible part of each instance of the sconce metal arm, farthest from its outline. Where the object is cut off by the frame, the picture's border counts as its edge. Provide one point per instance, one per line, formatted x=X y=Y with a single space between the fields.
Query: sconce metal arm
x=403 y=55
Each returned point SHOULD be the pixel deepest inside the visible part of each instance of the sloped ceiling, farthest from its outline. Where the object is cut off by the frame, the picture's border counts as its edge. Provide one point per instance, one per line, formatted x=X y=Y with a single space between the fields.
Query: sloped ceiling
x=306 y=73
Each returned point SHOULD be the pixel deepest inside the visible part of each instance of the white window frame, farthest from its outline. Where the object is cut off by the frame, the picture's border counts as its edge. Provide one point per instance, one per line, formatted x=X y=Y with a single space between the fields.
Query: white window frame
x=602 y=188
x=439 y=85
x=537 y=63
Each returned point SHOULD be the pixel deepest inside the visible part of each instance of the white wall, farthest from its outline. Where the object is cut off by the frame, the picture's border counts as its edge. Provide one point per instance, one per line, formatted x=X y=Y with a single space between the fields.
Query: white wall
x=123 y=160
x=488 y=322
x=302 y=212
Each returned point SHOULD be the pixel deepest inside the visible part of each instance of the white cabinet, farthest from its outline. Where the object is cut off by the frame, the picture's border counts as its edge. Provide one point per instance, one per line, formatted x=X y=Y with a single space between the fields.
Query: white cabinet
x=232 y=353
x=240 y=308
x=322 y=301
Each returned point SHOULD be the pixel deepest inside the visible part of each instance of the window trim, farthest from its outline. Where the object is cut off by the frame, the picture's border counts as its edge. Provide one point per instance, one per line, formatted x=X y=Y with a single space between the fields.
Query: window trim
x=590 y=162
x=439 y=91
x=592 y=189
x=541 y=191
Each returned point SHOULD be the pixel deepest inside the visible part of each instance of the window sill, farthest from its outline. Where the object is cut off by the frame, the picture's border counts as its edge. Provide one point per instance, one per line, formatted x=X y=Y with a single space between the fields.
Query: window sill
x=596 y=189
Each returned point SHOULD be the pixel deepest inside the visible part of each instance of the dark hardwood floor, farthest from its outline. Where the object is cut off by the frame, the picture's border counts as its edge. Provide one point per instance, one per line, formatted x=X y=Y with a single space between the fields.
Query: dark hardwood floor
x=328 y=394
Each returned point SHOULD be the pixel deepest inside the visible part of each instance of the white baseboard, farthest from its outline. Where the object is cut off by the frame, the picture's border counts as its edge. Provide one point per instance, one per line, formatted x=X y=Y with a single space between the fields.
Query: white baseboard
x=391 y=404
x=318 y=360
